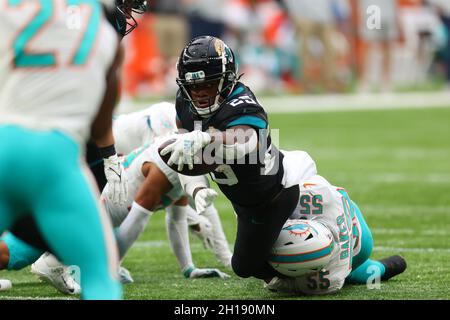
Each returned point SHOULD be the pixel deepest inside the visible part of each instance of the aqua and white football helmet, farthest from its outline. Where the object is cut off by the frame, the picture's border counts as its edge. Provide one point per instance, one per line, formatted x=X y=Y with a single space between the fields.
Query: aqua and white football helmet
x=303 y=246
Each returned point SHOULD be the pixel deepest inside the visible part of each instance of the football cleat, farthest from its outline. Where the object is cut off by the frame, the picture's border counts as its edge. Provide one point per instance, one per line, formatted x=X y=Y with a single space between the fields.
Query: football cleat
x=125 y=276
x=50 y=270
x=394 y=265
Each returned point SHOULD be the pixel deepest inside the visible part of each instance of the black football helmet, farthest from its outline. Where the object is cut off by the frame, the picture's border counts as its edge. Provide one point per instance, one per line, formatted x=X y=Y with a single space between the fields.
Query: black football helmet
x=207 y=59
x=127 y=8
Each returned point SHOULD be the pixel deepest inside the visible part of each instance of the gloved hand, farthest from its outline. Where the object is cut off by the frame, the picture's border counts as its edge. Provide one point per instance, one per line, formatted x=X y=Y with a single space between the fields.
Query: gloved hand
x=117 y=181
x=204 y=198
x=204 y=273
x=185 y=148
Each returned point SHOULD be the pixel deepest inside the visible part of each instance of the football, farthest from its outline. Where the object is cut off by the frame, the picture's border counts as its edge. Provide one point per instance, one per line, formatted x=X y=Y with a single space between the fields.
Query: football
x=198 y=169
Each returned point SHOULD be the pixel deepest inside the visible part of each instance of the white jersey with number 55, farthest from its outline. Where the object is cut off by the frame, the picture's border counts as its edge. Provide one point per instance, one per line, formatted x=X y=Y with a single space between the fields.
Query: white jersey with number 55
x=54 y=58
x=331 y=206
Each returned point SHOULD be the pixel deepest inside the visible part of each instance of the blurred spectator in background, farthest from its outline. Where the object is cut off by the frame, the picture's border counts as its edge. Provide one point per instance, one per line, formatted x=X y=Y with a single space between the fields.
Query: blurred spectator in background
x=443 y=10
x=172 y=32
x=422 y=30
x=379 y=28
x=296 y=45
x=143 y=65
x=263 y=37
x=205 y=17
x=154 y=49
x=315 y=25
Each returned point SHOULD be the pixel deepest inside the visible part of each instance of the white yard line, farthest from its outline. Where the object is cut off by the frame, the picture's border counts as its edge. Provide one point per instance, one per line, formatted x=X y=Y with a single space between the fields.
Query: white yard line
x=417 y=233
x=381 y=177
x=350 y=102
x=335 y=102
x=154 y=244
x=33 y=298
x=416 y=250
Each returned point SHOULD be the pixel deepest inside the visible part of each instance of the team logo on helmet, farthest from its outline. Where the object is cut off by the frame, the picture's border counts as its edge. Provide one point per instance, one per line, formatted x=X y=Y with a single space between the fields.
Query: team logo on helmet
x=300 y=229
x=219 y=46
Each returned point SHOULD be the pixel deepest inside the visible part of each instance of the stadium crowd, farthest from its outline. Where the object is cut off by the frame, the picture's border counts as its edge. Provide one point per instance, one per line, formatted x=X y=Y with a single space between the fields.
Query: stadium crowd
x=299 y=46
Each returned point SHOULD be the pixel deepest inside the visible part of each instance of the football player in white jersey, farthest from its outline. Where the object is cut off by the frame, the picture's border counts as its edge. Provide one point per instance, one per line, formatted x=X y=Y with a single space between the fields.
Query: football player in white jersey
x=152 y=186
x=23 y=244
x=47 y=111
x=327 y=244
x=136 y=129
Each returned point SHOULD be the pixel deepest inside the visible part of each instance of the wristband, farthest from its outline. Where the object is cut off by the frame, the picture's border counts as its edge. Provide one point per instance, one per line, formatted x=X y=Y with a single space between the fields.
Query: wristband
x=107 y=152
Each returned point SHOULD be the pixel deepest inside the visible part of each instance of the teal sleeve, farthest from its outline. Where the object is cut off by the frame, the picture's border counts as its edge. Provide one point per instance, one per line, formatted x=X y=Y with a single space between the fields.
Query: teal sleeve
x=251 y=121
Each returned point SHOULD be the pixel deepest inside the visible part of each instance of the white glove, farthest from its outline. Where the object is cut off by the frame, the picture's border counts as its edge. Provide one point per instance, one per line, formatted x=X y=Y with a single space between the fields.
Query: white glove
x=205 y=273
x=204 y=198
x=117 y=181
x=185 y=148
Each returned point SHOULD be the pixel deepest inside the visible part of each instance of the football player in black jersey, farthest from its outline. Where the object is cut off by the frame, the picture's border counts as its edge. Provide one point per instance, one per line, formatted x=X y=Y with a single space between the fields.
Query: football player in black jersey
x=217 y=109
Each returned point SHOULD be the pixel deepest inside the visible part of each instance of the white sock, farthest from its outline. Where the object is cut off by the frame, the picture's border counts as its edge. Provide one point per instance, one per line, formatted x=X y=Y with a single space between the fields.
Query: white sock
x=221 y=247
x=131 y=228
x=177 y=230
x=192 y=217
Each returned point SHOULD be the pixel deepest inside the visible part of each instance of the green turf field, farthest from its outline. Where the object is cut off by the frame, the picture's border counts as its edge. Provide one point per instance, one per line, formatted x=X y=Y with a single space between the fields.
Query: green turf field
x=395 y=165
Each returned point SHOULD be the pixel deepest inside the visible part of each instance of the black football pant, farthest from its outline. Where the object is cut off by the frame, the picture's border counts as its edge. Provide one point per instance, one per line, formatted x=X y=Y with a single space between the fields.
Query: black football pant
x=257 y=230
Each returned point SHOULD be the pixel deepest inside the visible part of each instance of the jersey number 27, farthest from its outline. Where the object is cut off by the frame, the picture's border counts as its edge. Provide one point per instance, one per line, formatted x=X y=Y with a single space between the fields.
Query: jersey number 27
x=24 y=57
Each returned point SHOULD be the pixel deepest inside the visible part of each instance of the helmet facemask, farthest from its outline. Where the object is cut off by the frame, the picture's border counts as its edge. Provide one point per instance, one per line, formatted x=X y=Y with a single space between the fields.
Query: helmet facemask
x=223 y=82
x=127 y=8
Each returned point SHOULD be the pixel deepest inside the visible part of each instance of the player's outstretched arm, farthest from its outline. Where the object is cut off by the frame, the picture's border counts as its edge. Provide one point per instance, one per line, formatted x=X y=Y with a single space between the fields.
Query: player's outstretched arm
x=234 y=143
x=101 y=128
x=145 y=202
x=102 y=134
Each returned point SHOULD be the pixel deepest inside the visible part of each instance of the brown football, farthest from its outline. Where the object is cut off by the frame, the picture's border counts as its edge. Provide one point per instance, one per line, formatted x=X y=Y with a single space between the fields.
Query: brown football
x=198 y=169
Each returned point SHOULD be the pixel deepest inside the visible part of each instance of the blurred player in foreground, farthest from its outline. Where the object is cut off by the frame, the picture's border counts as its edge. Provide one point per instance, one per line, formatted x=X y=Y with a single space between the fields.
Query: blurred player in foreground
x=152 y=186
x=328 y=244
x=134 y=133
x=132 y=130
x=48 y=108
x=24 y=244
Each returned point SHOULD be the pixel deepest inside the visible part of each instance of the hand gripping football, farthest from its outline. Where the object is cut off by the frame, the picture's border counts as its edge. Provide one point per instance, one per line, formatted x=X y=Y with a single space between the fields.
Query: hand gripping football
x=201 y=167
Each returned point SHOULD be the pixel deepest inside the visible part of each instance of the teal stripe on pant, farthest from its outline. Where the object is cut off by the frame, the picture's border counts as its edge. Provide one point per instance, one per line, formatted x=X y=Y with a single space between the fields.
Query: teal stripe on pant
x=365 y=238
x=363 y=267
x=40 y=172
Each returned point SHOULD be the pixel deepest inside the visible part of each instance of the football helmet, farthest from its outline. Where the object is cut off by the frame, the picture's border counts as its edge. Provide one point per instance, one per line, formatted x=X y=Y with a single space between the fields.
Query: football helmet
x=206 y=60
x=303 y=246
x=127 y=8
